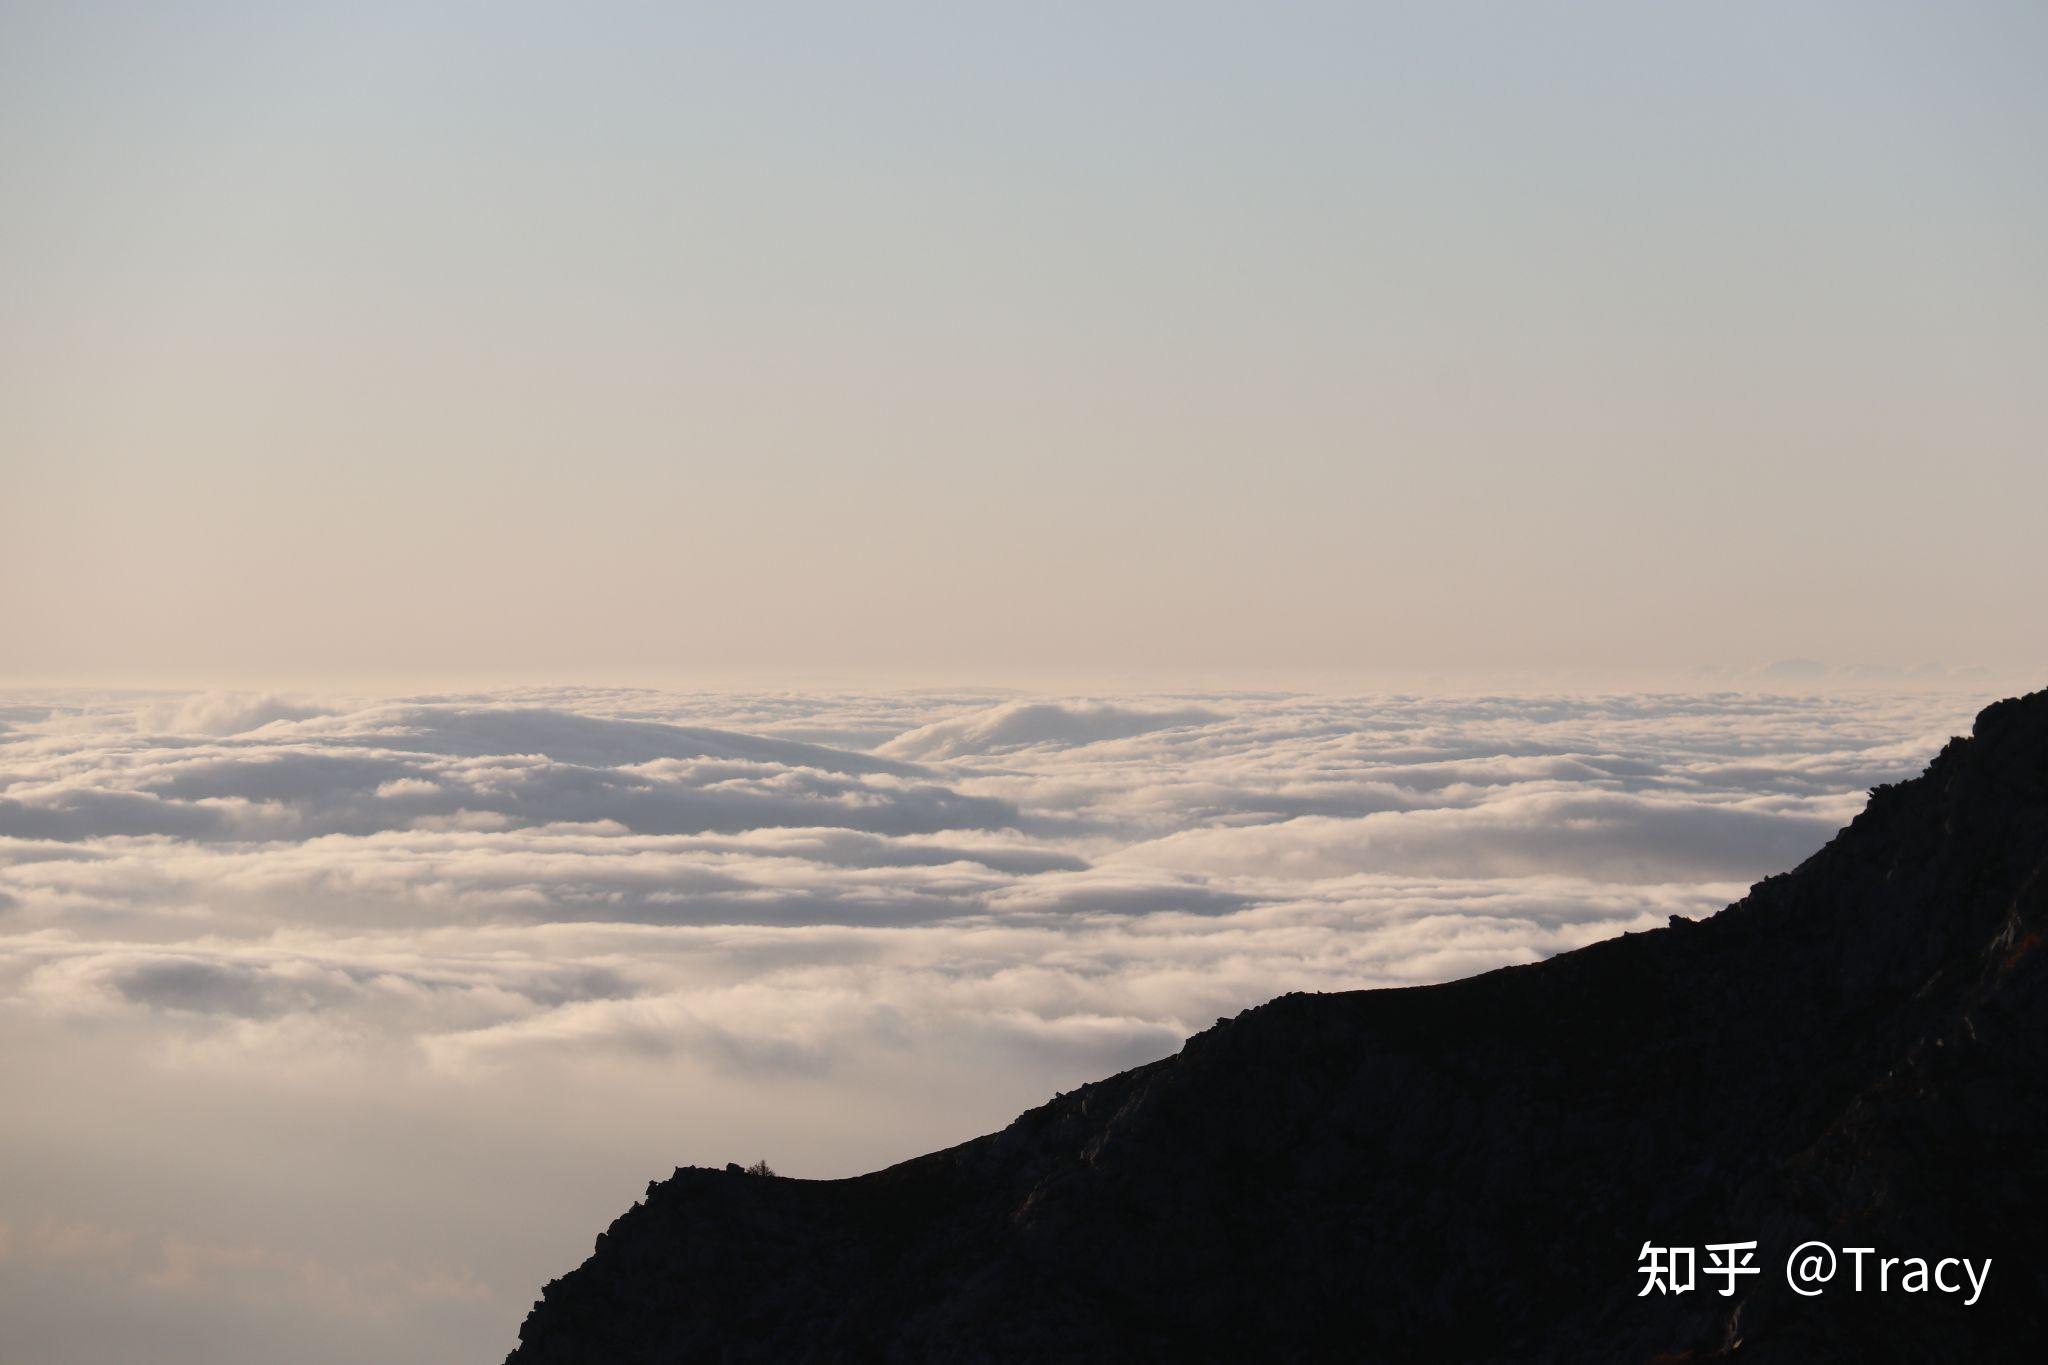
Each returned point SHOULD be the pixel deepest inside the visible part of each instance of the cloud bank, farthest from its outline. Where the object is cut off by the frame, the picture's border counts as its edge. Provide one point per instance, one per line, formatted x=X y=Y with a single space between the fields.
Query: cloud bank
x=391 y=1001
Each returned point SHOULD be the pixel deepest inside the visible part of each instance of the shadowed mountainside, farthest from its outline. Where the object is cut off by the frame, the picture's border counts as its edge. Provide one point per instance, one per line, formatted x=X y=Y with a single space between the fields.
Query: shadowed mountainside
x=1855 y=1052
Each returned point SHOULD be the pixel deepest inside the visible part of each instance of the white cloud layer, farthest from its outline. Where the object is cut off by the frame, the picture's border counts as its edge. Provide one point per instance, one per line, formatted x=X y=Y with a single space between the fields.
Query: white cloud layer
x=345 y=1022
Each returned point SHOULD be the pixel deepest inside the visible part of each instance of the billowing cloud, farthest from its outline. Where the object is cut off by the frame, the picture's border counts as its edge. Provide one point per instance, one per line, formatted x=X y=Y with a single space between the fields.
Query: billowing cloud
x=1606 y=836
x=221 y=713
x=1031 y=724
x=304 y=986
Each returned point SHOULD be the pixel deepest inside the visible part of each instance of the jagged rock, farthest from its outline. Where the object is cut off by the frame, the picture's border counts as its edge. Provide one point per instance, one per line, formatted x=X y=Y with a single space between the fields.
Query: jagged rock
x=1856 y=1051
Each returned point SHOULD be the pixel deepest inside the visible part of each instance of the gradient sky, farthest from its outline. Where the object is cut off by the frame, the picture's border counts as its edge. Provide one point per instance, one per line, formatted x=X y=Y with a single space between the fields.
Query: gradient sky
x=964 y=341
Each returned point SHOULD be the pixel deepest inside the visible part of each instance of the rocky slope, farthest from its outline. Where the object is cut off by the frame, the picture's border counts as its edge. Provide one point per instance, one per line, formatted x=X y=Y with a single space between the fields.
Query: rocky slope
x=1857 y=1051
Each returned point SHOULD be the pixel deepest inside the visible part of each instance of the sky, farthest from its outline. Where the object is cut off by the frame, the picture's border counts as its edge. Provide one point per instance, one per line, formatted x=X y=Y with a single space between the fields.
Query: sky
x=336 y=1026
x=956 y=344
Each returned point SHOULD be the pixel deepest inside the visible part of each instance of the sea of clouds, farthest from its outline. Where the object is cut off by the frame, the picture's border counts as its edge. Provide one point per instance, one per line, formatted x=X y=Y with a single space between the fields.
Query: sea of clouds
x=335 y=1026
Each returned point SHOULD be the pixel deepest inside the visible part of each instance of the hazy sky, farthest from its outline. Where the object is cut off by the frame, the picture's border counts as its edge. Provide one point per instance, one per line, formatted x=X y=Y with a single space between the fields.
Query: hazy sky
x=962 y=340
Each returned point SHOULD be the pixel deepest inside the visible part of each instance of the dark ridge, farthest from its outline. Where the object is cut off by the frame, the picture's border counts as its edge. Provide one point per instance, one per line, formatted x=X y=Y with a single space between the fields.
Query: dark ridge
x=1855 y=1052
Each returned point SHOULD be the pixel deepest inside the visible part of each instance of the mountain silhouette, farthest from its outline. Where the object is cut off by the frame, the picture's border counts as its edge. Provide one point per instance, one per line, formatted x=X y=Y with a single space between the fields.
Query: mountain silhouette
x=1855 y=1052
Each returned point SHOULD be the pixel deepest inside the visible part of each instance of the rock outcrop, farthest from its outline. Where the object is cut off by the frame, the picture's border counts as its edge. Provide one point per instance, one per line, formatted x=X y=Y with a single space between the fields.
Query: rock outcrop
x=1856 y=1052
